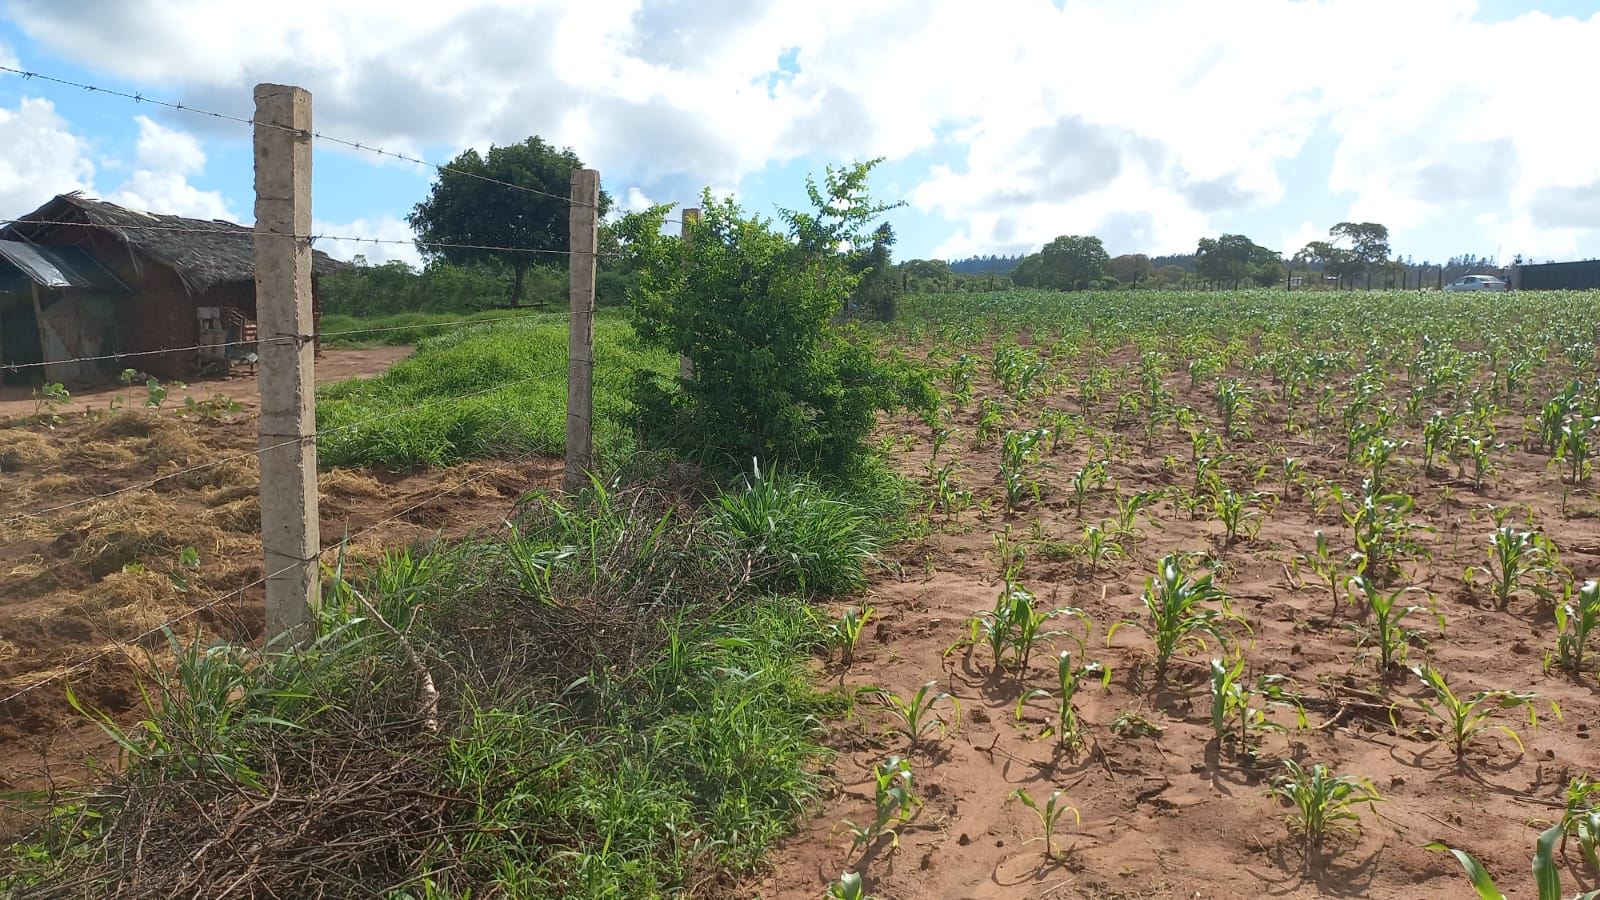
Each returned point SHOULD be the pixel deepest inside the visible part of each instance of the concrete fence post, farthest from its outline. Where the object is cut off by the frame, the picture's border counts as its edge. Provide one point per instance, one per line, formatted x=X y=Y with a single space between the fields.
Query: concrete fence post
x=584 y=222
x=289 y=532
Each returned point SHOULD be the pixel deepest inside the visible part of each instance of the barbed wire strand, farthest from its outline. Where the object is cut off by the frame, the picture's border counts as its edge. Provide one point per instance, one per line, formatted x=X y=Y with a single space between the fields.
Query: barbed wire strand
x=316 y=135
x=342 y=542
x=310 y=239
x=18 y=518
x=281 y=339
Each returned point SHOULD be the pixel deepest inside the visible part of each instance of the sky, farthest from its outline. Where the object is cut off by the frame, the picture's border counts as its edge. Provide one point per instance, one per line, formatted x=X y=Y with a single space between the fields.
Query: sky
x=1465 y=127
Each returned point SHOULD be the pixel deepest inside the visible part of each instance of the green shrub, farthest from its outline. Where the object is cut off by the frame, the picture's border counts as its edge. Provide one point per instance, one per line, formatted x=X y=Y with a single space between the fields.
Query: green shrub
x=749 y=306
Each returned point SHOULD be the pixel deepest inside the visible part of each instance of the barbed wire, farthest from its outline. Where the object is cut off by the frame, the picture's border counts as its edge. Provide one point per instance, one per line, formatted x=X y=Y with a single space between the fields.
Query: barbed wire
x=343 y=541
x=316 y=135
x=18 y=518
x=279 y=339
x=310 y=239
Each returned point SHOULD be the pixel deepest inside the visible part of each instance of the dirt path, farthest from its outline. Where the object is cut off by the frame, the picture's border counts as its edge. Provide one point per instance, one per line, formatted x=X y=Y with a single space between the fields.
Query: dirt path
x=333 y=365
x=1166 y=811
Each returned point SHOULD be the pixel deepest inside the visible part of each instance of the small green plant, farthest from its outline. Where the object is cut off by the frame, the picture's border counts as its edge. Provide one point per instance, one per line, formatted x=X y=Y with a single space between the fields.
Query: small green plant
x=1097 y=548
x=1089 y=478
x=1580 y=819
x=1235 y=719
x=1069 y=679
x=1387 y=615
x=1178 y=618
x=849 y=886
x=1049 y=815
x=1238 y=513
x=1546 y=873
x=894 y=802
x=1129 y=724
x=1465 y=718
x=845 y=632
x=914 y=718
x=1517 y=560
x=1577 y=620
x=47 y=402
x=1322 y=802
x=1015 y=626
x=1326 y=564
x=218 y=406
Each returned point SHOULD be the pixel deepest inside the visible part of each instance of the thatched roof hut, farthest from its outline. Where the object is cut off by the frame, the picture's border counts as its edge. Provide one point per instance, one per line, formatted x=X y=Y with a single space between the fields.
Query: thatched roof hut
x=81 y=277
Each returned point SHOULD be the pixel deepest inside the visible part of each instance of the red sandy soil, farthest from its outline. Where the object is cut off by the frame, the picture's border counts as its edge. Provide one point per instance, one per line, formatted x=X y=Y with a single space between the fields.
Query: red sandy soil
x=1173 y=815
x=332 y=365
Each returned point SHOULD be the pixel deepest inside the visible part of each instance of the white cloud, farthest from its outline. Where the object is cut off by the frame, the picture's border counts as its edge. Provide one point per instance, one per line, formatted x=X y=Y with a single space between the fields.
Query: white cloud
x=42 y=157
x=1046 y=120
x=164 y=161
x=1295 y=241
x=635 y=200
x=394 y=234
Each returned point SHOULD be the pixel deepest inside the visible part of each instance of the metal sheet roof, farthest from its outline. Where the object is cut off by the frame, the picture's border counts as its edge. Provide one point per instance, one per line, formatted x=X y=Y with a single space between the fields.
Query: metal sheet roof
x=59 y=267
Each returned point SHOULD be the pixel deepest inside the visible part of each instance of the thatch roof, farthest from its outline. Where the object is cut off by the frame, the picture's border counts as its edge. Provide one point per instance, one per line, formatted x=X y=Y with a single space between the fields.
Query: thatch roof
x=203 y=253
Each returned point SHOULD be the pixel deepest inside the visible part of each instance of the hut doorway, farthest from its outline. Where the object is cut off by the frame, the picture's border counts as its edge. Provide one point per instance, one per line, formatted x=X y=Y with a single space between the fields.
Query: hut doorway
x=21 y=349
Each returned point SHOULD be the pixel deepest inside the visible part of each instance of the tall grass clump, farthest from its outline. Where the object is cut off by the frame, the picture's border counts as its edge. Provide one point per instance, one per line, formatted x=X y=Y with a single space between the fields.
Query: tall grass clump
x=478 y=392
x=800 y=537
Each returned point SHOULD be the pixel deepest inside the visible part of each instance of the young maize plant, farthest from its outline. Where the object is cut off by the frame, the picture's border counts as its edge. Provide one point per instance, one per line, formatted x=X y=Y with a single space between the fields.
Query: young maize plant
x=1128 y=509
x=1386 y=617
x=1089 y=478
x=1519 y=560
x=1327 y=565
x=894 y=802
x=1573 y=447
x=1235 y=719
x=1322 y=802
x=1580 y=819
x=1178 y=617
x=1465 y=718
x=1235 y=403
x=1576 y=621
x=845 y=632
x=1017 y=450
x=1015 y=626
x=1069 y=679
x=1098 y=548
x=1238 y=513
x=849 y=886
x=1049 y=814
x=914 y=718
x=1546 y=870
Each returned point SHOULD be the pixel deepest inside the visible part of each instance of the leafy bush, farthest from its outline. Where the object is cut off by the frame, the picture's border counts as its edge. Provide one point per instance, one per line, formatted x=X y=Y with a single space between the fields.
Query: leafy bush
x=750 y=306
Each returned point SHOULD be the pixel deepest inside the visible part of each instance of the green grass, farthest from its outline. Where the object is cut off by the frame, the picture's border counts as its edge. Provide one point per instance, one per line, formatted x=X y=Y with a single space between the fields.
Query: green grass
x=342 y=332
x=620 y=714
x=515 y=373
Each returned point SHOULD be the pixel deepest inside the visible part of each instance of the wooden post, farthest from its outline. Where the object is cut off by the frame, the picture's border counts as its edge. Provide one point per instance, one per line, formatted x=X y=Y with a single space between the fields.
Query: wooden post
x=584 y=222
x=290 y=536
x=691 y=217
x=38 y=323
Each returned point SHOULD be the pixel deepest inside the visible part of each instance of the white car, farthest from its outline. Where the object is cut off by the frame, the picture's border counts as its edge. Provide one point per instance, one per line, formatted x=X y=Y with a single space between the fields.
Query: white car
x=1477 y=283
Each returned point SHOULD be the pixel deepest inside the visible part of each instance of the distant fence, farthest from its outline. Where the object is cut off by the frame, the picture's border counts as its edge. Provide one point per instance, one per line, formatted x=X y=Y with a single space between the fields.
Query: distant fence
x=1563 y=276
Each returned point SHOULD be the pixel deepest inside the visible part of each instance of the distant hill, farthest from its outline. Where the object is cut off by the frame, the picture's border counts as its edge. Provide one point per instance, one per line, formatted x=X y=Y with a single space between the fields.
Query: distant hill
x=985 y=265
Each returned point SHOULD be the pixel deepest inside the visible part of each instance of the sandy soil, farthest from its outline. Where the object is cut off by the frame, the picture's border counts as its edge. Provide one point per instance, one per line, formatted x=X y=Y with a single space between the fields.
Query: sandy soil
x=332 y=365
x=80 y=580
x=1173 y=814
